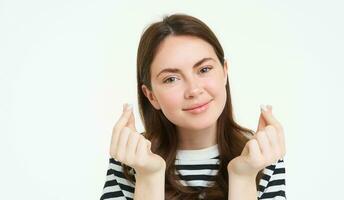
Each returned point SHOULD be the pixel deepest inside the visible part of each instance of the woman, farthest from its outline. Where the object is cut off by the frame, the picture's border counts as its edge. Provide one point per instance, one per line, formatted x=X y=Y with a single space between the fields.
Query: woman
x=191 y=148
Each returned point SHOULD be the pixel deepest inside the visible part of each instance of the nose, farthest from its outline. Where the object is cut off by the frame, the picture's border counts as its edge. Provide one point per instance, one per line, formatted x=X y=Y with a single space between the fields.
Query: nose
x=193 y=90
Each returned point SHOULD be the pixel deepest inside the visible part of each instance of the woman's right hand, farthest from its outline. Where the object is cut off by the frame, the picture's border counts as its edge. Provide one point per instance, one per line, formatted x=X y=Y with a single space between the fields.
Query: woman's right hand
x=133 y=149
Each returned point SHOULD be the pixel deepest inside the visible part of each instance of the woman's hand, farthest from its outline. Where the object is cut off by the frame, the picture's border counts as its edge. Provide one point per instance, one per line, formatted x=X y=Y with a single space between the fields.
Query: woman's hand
x=265 y=148
x=132 y=148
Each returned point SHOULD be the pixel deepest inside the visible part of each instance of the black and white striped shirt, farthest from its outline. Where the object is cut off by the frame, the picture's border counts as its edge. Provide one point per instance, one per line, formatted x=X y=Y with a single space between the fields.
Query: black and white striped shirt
x=196 y=168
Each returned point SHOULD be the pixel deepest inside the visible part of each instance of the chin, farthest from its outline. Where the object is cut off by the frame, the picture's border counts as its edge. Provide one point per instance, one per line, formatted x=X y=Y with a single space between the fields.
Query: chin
x=200 y=124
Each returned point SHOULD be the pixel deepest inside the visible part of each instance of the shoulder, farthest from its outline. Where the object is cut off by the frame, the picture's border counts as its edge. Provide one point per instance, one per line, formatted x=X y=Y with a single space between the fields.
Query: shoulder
x=273 y=183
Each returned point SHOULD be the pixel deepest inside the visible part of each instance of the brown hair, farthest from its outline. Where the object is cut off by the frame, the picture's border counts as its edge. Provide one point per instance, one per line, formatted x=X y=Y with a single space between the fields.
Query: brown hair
x=231 y=137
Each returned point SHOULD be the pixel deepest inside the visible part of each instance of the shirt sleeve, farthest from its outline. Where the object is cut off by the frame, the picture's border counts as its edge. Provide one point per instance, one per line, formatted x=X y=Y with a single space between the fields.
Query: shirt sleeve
x=116 y=186
x=272 y=185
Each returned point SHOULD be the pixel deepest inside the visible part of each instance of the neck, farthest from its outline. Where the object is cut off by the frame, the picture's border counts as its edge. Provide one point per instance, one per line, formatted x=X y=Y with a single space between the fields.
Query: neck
x=196 y=139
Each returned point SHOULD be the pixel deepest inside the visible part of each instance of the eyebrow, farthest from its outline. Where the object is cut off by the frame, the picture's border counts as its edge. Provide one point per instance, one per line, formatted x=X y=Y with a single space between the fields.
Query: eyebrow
x=173 y=70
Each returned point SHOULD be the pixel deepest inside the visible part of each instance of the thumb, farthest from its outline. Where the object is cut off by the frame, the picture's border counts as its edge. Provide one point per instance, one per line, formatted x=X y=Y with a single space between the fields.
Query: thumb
x=131 y=121
x=262 y=122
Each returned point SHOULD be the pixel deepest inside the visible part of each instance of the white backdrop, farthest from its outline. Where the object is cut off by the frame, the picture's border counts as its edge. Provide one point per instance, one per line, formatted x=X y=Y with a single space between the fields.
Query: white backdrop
x=66 y=68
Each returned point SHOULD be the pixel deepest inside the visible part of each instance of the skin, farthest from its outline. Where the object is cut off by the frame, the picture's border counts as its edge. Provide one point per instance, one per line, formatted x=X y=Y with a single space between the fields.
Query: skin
x=183 y=89
x=131 y=148
x=187 y=87
x=265 y=148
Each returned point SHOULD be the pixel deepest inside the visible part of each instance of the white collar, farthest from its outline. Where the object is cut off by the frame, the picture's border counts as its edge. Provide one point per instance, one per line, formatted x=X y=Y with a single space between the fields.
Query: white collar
x=198 y=154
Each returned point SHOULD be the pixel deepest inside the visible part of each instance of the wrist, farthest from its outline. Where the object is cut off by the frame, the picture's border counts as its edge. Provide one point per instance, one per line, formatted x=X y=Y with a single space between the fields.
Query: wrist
x=241 y=178
x=244 y=175
x=150 y=186
x=153 y=177
x=241 y=187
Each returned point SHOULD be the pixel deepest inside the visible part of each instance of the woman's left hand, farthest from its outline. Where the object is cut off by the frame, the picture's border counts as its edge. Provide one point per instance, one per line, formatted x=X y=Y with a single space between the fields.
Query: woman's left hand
x=265 y=148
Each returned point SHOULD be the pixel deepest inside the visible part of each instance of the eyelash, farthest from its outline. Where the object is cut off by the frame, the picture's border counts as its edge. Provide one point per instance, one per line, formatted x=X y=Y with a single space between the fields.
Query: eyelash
x=207 y=67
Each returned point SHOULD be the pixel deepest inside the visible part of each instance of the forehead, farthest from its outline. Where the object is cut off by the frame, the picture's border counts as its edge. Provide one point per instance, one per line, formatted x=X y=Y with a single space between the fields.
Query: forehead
x=181 y=51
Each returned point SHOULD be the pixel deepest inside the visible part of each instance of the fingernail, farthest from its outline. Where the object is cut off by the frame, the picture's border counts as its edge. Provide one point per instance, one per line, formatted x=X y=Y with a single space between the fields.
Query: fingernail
x=124 y=106
x=269 y=106
x=263 y=107
x=129 y=106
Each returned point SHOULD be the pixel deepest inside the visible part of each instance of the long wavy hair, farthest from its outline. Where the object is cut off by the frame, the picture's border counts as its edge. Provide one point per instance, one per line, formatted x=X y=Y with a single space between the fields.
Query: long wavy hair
x=231 y=137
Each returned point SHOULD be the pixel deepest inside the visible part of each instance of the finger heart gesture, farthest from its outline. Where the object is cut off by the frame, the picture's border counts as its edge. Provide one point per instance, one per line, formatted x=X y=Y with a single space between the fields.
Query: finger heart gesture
x=132 y=148
x=265 y=148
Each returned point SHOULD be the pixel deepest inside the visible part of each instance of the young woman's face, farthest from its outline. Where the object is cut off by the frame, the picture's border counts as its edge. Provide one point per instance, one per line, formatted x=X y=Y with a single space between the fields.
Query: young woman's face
x=186 y=73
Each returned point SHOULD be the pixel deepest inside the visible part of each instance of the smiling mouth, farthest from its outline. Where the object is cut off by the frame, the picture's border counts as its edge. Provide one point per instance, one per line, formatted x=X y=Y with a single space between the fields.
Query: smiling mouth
x=198 y=106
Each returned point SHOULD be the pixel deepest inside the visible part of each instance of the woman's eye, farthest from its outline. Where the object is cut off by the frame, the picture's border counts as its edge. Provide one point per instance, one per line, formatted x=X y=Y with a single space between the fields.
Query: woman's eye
x=169 y=80
x=207 y=69
x=173 y=79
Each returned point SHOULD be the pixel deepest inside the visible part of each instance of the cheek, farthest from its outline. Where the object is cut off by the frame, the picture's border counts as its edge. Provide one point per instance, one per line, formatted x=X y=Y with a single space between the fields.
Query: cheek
x=217 y=90
x=214 y=86
x=170 y=100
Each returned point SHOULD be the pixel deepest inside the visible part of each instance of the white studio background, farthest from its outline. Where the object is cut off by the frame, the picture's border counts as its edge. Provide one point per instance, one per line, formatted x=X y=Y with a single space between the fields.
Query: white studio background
x=66 y=68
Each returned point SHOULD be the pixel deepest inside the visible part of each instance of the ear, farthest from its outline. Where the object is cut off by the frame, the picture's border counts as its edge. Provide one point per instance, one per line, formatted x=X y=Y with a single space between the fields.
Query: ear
x=150 y=96
x=225 y=70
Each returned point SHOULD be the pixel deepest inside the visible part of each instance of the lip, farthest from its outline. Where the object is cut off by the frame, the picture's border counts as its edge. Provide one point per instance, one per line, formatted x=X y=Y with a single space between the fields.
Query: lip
x=199 y=105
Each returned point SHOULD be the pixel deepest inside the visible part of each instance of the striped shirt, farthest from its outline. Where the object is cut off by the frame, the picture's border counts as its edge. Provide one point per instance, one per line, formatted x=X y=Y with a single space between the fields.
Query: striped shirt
x=196 y=168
